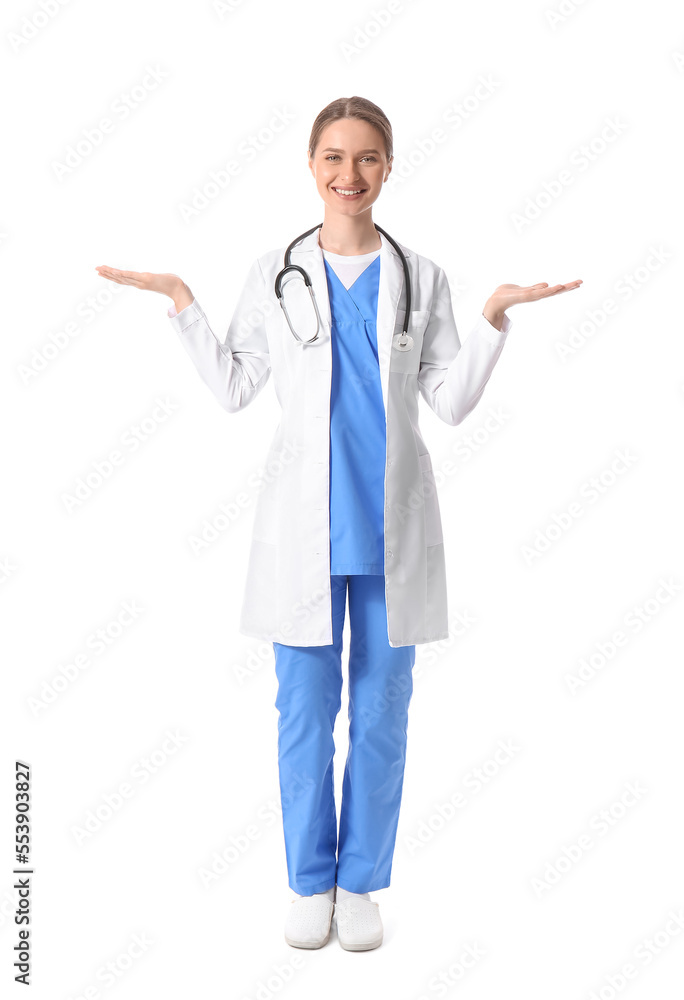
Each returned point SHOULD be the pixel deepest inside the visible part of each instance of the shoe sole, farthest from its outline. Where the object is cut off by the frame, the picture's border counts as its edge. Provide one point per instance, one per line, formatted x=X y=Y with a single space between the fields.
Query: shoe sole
x=361 y=947
x=307 y=944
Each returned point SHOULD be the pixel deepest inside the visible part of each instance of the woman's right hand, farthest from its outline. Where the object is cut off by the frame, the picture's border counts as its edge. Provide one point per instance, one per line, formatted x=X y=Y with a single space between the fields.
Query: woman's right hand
x=166 y=284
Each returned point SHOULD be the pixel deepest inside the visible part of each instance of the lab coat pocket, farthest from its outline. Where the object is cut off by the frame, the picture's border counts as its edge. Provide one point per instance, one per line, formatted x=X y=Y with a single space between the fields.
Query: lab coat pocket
x=433 y=521
x=409 y=361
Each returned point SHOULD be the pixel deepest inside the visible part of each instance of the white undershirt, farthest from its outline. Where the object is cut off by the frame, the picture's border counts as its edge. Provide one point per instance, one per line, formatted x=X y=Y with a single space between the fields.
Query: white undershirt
x=348 y=267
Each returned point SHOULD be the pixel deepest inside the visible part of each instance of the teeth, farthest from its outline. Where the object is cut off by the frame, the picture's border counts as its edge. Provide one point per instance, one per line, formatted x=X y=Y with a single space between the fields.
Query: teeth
x=345 y=191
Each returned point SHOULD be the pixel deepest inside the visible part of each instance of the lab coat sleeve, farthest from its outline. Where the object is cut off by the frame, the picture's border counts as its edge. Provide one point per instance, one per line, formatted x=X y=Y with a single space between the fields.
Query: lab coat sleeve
x=237 y=370
x=452 y=376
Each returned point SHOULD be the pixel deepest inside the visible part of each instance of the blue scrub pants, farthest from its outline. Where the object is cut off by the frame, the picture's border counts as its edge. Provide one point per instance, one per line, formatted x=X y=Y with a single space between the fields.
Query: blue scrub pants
x=308 y=700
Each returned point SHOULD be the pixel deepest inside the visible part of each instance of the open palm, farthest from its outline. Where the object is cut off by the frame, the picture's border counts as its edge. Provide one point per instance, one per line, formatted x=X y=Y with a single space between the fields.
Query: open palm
x=506 y=296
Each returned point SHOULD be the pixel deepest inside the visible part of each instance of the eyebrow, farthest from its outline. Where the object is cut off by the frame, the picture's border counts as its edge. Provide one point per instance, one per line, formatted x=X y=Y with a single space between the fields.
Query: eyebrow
x=333 y=149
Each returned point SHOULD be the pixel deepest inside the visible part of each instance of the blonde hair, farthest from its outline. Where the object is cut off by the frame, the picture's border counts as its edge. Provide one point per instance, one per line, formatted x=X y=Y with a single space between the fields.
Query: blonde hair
x=352 y=107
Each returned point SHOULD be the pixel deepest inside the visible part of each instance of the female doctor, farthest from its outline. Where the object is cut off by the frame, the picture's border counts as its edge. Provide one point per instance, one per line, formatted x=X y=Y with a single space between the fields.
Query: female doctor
x=349 y=504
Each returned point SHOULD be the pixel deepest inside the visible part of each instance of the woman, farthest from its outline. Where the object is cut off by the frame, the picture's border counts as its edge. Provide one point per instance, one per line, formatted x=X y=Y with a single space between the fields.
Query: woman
x=348 y=502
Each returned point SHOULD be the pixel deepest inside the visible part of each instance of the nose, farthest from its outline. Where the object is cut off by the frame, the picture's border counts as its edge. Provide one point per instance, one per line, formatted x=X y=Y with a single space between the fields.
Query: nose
x=349 y=176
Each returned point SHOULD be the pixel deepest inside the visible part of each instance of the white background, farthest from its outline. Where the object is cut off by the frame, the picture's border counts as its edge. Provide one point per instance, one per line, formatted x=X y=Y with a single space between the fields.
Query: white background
x=483 y=876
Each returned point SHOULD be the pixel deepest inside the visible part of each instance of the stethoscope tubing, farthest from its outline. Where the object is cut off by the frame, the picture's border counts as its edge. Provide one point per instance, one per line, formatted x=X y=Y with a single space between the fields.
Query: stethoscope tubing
x=288 y=267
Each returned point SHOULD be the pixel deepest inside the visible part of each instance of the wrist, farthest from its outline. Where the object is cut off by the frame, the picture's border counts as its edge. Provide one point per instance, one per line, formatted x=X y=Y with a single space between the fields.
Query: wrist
x=182 y=296
x=493 y=314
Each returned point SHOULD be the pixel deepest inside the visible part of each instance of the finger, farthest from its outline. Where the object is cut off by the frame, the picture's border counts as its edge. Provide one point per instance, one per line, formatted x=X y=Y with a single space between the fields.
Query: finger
x=118 y=271
x=525 y=288
x=136 y=278
x=534 y=290
x=105 y=272
x=563 y=288
x=117 y=279
x=122 y=277
x=569 y=284
x=537 y=291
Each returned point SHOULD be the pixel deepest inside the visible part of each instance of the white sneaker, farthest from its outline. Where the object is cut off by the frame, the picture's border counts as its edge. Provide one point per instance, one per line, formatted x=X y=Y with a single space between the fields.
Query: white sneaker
x=359 y=927
x=309 y=919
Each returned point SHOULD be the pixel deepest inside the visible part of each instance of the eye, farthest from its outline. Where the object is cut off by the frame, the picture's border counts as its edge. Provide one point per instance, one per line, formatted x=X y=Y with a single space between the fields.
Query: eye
x=368 y=156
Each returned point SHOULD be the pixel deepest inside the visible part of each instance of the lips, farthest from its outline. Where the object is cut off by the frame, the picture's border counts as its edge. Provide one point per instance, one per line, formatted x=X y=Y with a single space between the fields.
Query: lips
x=349 y=197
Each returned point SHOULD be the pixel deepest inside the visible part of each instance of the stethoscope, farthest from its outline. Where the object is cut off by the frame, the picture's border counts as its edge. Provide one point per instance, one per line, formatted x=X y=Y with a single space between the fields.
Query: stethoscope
x=401 y=341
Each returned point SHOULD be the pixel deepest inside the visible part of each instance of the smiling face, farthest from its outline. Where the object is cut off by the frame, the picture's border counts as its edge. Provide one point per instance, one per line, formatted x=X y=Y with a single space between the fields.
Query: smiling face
x=350 y=156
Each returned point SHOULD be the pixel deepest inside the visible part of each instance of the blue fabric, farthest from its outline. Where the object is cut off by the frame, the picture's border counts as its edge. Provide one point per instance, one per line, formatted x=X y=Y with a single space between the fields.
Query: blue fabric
x=357 y=428
x=308 y=700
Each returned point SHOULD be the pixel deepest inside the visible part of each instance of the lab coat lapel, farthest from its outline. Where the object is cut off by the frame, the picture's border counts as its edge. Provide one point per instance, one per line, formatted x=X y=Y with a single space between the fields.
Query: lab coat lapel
x=391 y=281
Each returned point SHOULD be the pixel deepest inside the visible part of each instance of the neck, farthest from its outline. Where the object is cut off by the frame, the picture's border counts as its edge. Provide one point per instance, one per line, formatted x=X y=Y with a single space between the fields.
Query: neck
x=349 y=235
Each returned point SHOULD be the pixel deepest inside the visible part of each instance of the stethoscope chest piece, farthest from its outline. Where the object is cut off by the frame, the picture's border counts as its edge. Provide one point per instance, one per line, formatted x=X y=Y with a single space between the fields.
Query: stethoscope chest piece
x=402 y=342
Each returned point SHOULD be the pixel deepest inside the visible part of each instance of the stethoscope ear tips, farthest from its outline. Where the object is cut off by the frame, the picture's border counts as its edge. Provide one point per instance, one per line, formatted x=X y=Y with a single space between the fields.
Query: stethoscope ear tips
x=402 y=342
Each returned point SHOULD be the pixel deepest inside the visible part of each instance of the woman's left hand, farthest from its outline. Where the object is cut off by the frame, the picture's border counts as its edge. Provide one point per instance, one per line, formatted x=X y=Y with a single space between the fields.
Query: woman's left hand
x=506 y=296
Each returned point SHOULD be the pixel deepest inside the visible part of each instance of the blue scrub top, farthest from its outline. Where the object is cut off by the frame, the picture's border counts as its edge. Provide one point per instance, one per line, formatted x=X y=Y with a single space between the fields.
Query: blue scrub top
x=357 y=427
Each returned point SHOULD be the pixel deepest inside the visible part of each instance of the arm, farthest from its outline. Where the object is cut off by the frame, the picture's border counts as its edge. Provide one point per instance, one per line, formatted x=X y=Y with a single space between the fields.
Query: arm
x=237 y=370
x=452 y=377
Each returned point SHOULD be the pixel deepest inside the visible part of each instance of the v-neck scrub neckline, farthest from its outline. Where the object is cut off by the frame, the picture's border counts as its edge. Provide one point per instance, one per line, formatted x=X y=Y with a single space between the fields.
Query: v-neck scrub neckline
x=348 y=267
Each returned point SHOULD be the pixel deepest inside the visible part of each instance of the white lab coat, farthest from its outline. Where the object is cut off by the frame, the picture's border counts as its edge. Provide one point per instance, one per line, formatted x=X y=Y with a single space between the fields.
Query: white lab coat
x=287 y=591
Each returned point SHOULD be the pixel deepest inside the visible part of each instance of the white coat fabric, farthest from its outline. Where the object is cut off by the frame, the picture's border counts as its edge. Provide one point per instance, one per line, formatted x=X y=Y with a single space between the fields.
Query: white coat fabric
x=287 y=596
